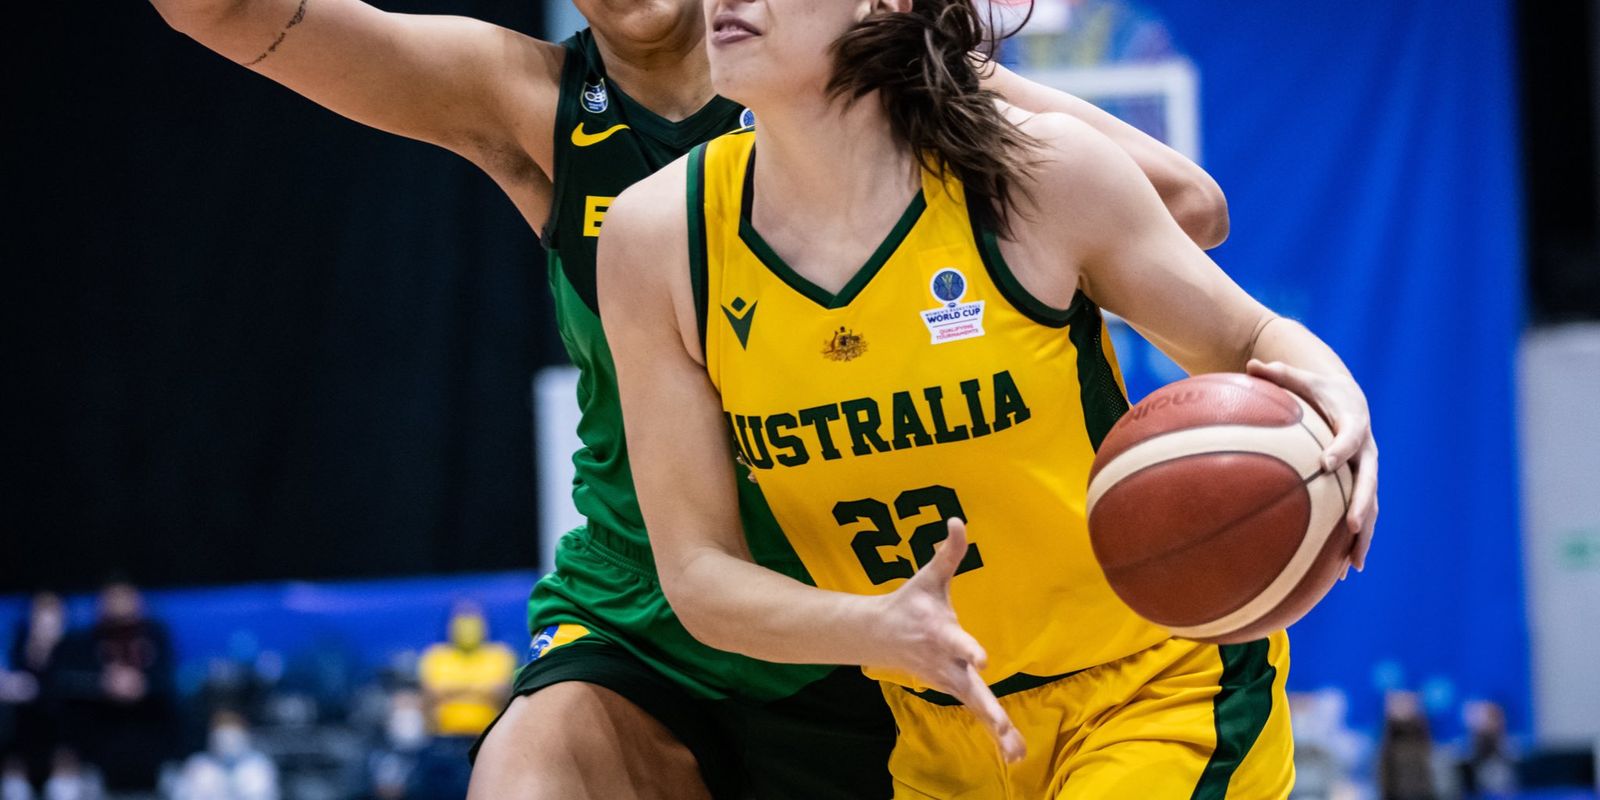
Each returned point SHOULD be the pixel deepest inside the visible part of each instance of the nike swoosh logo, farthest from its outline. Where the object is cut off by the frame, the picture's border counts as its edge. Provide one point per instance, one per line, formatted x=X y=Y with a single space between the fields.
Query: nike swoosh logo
x=741 y=325
x=582 y=138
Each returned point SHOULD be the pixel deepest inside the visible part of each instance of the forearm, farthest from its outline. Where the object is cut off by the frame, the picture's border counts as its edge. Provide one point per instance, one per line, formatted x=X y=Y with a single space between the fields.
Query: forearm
x=733 y=604
x=1284 y=340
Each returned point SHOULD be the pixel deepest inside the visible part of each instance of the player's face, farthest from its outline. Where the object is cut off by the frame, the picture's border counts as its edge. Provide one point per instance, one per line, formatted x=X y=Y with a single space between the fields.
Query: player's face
x=641 y=23
x=768 y=50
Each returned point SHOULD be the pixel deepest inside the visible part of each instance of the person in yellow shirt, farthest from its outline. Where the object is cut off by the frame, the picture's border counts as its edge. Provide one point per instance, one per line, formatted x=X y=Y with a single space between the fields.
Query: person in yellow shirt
x=468 y=678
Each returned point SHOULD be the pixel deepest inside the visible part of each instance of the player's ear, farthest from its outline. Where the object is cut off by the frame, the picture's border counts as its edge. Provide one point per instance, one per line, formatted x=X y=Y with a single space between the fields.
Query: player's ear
x=870 y=7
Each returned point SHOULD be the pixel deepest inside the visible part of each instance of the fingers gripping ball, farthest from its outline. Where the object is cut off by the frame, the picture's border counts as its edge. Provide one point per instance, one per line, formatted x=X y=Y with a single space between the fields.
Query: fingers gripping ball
x=1210 y=512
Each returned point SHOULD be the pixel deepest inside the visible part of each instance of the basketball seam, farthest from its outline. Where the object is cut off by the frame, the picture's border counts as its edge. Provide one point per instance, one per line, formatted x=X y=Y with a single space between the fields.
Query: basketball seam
x=1224 y=526
x=1281 y=587
x=1343 y=495
x=1094 y=494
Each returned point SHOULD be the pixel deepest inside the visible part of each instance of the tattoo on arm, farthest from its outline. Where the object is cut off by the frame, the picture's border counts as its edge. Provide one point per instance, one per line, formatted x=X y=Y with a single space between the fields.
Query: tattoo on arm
x=299 y=14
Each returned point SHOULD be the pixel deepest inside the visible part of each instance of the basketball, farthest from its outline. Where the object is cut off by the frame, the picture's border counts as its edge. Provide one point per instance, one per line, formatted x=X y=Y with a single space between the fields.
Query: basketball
x=1210 y=512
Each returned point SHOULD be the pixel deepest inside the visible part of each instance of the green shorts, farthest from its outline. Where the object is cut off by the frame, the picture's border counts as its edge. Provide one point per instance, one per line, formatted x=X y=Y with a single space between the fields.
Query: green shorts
x=759 y=731
x=829 y=741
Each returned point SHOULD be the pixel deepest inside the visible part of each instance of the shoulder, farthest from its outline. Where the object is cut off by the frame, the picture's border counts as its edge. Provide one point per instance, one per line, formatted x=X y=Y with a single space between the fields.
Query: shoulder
x=1079 y=184
x=652 y=213
x=643 y=262
x=1066 y=147
x=436 y=655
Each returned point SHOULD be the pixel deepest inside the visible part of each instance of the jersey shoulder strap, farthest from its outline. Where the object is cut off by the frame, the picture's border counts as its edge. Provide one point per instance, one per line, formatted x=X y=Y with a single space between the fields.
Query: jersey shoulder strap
x=715 y=187
x=583 y=92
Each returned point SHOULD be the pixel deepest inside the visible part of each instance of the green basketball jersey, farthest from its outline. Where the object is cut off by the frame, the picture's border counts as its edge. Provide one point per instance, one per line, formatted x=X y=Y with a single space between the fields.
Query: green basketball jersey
x=604 y=143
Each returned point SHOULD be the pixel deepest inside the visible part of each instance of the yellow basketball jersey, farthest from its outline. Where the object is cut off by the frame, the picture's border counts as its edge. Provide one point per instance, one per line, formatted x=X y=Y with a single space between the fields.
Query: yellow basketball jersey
x=931 y=386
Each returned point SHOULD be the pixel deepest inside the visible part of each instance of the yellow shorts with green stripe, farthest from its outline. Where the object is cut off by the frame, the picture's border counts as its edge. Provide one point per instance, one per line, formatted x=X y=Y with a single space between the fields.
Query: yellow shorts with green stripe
x=1177 y=721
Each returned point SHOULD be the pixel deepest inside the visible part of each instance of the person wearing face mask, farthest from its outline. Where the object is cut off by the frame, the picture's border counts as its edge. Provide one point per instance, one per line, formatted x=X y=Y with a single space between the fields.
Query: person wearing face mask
x=230 y=768
x=468 y=678
x=391 y=767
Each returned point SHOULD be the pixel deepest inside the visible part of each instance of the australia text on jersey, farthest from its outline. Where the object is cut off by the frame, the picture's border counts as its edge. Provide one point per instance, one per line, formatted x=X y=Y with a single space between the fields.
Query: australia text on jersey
x=914 y=418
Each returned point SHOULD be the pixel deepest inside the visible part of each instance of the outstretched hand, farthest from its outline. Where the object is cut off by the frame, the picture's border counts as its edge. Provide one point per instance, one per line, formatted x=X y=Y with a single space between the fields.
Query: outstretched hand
x=925 y=639
x=1345 y=406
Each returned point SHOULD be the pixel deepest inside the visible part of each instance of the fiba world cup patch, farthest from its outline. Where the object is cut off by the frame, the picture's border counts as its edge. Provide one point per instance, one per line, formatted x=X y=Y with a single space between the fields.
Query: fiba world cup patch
x=747 y=118
x=594 y=97
x=953 y=320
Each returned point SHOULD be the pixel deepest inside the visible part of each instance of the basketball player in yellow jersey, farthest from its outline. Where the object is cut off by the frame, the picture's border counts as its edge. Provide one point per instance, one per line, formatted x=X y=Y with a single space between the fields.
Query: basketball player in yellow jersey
x=886 y=296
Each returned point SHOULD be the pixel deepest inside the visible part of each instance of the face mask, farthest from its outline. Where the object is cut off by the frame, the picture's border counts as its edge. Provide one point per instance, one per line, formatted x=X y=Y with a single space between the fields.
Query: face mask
x=407 y=728
x=228 y=742
x=467 y=632
x=65 y=787
x=49 y=625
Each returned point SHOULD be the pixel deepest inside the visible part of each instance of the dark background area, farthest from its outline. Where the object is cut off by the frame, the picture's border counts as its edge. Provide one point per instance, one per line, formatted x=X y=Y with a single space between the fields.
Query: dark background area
x=248 y=339
x=1557 y=48
x=245 y=339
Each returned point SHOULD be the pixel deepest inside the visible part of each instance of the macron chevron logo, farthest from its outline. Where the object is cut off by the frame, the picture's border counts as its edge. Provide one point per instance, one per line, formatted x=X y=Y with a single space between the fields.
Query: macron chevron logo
x=740 y=317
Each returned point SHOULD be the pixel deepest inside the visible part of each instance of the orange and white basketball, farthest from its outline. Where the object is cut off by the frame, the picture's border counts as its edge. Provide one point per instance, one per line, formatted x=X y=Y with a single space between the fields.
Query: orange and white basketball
x=1211 y=513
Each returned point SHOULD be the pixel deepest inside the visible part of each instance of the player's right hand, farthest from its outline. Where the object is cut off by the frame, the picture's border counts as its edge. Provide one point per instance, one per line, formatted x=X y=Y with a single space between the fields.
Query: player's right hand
x=920 y=635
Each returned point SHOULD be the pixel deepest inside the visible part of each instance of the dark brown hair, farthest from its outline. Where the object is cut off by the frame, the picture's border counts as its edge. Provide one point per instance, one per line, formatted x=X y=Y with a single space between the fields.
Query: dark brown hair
x=924 y=65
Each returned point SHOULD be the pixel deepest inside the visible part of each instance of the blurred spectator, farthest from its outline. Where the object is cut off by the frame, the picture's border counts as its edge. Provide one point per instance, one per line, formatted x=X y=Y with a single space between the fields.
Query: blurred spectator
x=240 y=681
x=31 y=687
x=1405 y=757
x=391 y=766
x=468 y=678
x=1489 y=769
x=230 y=768
x=14 y=783
x=71 y=779
x=1326 y=750
x=118 y=678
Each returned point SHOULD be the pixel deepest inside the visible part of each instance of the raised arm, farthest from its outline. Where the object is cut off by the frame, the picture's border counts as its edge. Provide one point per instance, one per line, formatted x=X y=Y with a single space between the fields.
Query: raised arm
x=1190 y=194
x=1129 y=256
x=483 y=91
x=683 y=471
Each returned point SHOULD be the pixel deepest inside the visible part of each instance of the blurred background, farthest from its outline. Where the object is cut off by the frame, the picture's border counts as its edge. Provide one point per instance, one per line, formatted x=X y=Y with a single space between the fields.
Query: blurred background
x=287 y=423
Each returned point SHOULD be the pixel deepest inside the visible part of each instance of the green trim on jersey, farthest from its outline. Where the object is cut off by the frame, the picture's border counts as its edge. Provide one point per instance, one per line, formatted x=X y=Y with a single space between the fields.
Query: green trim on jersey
x=816 y=294
x=605 y=576
x=1240 y=710
x=1098 y=389
x=697 y=237
x=1019 y=297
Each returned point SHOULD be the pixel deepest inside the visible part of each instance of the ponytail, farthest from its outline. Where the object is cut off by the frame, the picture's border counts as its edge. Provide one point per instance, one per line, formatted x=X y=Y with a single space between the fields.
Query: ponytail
x=922 y=64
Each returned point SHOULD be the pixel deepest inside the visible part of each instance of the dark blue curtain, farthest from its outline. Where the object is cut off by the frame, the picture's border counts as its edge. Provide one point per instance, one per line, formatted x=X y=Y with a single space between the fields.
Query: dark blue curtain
x=245 y=338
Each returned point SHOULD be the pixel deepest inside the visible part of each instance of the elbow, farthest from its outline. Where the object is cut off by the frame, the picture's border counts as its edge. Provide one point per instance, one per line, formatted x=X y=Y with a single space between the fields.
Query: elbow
x=689 y=605
x=1201 y=209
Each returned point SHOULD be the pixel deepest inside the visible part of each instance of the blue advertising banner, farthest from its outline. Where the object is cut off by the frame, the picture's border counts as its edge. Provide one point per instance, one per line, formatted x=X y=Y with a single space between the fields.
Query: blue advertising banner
x=1368 y=150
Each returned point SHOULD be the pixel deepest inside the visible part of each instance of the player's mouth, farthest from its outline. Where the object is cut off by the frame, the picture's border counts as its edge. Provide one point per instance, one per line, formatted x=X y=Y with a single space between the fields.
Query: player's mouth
x=727 y=28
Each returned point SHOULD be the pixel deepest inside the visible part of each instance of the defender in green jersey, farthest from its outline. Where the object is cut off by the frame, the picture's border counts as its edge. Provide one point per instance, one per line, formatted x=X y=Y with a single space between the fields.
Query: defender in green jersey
x=620 y=701
x=606 y=142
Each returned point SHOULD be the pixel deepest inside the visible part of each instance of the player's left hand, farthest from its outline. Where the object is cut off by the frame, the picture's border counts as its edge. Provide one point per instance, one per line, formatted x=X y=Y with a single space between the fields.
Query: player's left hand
x=920 y=635
x=1344 y=404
